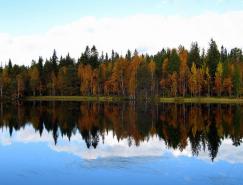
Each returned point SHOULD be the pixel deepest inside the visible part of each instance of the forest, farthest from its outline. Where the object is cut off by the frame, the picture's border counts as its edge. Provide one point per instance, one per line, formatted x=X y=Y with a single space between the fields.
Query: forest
x=169 y=73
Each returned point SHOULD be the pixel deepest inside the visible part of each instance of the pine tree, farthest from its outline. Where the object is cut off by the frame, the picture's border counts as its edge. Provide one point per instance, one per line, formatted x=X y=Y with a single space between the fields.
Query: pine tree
x=236 y=81
x=194 y=55
x=129 y=55
x=94 y=60
x=213 y=57
x=54 y=62
x=85 y=57
x=174 y=62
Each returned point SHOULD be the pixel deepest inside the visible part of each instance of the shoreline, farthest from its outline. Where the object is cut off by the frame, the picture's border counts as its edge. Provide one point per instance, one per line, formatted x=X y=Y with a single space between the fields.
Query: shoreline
x=200 y=100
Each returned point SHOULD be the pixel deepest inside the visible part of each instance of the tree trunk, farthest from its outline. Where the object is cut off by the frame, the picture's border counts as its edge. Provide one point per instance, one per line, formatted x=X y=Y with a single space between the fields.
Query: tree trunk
x=1 y=91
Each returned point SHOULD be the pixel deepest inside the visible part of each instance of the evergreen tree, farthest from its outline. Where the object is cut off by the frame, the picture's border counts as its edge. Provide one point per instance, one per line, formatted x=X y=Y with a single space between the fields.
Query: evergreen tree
x=85 y=57
x=54 y=62
x=236 y=55
x=102 y=57
x=213 y=57
x=67 y=61
x=143 y=81
x=129 y=55
x=10 y=66
x=223 y=54
x=112 y=55
x=194 y=55
x=94 y=61
x=174 y=62
x=106 y=57
x=236 y=81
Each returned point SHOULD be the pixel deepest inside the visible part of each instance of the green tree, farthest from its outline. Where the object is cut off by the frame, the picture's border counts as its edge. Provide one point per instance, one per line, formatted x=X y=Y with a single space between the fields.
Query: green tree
x=54 y=62
x=85 y=57
x=129 y=55
x=236 y=55
x=94 y=55
x=194 y=55
x=174 y=62
x=68 y=83
x=236 y=81
x=213 y=57
x=143 y=81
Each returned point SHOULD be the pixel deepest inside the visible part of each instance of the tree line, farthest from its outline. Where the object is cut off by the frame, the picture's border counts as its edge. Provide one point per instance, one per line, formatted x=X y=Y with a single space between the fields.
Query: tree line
x=170 y=73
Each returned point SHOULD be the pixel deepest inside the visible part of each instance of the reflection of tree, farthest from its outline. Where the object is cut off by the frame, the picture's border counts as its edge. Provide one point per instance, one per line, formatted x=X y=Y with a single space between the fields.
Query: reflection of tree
x=237 y=124
x=201 y=126
x=213 y=141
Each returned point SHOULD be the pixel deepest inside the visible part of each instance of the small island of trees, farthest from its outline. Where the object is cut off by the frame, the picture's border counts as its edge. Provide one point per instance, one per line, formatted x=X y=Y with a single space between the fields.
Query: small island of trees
x=169 y=73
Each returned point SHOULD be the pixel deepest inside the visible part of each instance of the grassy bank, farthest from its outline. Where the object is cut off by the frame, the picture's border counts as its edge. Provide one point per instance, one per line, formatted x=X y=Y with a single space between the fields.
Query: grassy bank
x=219 y=100
x=204 y=100
x=73 y=98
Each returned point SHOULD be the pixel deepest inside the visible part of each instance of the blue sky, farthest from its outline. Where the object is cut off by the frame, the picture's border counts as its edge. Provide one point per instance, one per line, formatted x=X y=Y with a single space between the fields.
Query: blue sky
x=28 y=158
x=20 y=17
x=31 y=28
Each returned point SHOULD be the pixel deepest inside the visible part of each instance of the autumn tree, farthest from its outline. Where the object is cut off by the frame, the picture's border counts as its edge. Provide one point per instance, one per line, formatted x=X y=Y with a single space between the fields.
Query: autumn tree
x=53 y=84
x=118 y=77
x=200 y=80
x=85 y=74
x=5 y=81
x=34 y=79
x=218 y=78
x=228 y=85
x=159 y=59
x=20 y=85
x=152 y=68
x=61 y=79
x=164 y=77
x=207 y=81
x=173 y=84
x=193 y=80
x=95 y=82
x=1 y=83
x=132 y=70
x=183 y=72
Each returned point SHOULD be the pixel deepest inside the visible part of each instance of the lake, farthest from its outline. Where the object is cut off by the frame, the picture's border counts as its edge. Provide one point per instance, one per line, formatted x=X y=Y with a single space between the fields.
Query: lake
x=121 y=143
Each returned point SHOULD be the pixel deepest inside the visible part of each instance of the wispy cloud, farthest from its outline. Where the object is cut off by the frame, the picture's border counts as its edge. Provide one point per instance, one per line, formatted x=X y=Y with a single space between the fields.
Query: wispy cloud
x=112 y=148
x=148 y=33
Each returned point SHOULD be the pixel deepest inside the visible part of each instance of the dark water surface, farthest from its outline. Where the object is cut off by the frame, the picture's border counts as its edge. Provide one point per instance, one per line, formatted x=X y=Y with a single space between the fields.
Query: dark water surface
x=121 y=143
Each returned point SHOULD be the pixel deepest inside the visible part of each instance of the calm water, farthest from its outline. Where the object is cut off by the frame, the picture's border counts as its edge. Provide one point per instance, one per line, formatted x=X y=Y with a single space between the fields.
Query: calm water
x=121 y=143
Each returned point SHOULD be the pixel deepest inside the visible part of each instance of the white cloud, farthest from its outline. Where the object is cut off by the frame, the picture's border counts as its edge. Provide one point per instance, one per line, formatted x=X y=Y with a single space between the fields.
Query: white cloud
x=145 y=32
x=112 y=148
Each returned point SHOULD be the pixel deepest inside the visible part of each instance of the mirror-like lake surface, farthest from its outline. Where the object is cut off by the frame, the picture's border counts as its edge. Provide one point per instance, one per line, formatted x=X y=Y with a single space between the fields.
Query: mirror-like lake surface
x=120 y=143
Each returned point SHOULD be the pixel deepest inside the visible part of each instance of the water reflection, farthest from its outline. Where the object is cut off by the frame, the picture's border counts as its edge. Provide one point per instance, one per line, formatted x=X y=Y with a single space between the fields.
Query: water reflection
x=128 y=129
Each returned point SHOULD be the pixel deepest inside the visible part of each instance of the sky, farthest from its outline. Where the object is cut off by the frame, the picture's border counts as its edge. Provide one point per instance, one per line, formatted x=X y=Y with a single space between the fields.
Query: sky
x=29 y=29
x=38 y=160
